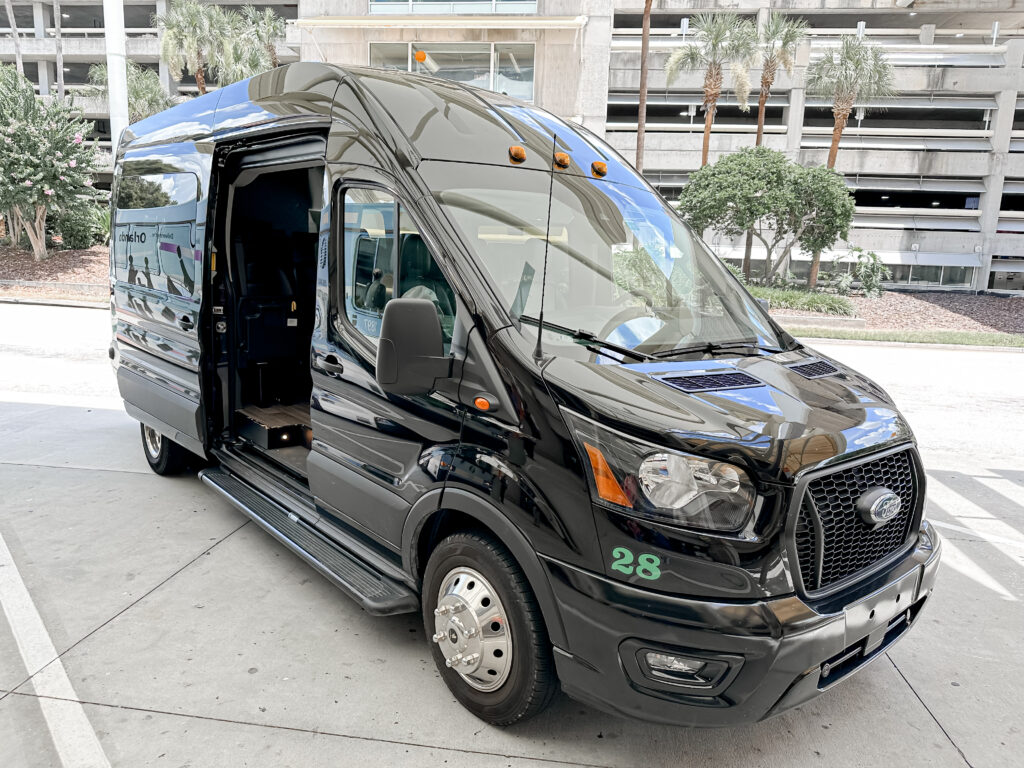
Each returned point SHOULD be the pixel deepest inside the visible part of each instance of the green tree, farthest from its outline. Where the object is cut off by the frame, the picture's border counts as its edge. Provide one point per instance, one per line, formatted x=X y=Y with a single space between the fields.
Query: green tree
x=267 y=28
x=47 y=165
x=720 y=40
x=193 y=37
x=241 y=54
x=856 y=71
x=785 y=205
x=146 y=96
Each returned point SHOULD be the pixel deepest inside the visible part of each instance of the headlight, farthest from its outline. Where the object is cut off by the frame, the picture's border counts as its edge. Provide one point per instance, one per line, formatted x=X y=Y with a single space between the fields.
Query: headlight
x=662 y=484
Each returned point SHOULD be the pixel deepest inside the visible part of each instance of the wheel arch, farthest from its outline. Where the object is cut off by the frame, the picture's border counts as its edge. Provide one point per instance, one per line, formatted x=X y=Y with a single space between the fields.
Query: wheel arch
x=440 y=513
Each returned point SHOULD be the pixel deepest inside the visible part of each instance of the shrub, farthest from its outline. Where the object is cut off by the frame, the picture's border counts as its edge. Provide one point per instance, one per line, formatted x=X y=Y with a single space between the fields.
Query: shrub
x=77 y=226
x=782 y=298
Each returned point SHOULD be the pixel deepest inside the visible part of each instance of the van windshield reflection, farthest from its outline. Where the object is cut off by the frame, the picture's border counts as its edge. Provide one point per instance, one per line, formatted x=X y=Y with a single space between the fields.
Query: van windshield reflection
x=622 y=267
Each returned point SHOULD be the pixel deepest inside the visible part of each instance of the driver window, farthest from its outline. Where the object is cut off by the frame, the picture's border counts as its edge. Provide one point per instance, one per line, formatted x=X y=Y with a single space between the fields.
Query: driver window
x=386 y=257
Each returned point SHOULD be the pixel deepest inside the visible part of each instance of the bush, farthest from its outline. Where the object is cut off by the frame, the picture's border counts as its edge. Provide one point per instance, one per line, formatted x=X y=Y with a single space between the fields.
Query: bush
x=76 y=226
x=825 y=303
x=868 y=270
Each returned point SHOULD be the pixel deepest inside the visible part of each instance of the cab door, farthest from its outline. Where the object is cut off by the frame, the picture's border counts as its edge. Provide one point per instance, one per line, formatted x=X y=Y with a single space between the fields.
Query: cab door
x=374 y=455
x=156 y=270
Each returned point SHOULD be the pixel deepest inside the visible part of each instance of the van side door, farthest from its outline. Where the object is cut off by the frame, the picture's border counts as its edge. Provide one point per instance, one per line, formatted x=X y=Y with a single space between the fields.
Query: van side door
x=156 y=269
x=374 y=455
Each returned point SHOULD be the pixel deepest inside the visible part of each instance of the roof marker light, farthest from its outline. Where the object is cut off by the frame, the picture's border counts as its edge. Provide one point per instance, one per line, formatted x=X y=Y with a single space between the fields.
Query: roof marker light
x=599 y=169
x=517 y=154
x=561 y=160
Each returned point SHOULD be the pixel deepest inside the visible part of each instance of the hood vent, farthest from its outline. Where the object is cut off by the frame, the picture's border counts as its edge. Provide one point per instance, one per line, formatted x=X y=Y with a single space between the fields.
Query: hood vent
x=814 y=369
x=708 y=382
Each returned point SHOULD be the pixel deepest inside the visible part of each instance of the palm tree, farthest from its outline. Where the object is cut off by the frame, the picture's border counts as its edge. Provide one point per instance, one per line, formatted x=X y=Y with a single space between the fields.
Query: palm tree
x=641 y=120
x=720 y=39
x=268 y=28
x=779 y=38
x=146 y=95
x=193 y=35
x=857 y=71
x=60 y=49
x=241 y=54
x=14 y=33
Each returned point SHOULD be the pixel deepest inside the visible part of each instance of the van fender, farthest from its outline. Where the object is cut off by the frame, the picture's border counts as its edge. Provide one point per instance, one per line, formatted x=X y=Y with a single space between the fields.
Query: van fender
x=489 y=516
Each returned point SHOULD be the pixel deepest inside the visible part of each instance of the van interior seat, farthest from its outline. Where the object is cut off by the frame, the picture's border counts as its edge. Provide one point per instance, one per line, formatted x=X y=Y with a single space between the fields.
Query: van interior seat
x=419 y=270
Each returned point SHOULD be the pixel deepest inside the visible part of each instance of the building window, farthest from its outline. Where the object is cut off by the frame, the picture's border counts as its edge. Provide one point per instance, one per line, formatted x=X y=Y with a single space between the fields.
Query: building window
x=503 y=67
x=452 y=6
x=957 y=276
x=925 y=274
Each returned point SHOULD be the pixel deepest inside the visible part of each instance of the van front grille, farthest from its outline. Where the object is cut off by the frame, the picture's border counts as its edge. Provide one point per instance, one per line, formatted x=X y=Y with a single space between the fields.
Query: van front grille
x=707 y=382
x=832 y=541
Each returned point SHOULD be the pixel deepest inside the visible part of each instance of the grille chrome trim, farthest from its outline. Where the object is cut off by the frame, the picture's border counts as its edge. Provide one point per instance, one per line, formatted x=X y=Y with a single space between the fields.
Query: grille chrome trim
x=796 y=511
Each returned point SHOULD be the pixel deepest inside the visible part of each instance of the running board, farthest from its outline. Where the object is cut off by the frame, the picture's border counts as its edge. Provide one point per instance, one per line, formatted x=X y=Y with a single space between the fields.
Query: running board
x=375 y=592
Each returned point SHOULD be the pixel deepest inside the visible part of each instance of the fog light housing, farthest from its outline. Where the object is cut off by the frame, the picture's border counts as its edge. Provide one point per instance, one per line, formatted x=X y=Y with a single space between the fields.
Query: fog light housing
x=683 y=670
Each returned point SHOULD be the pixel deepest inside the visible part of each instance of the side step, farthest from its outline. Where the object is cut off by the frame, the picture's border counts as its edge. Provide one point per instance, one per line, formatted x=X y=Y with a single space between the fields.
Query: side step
x=376 y=593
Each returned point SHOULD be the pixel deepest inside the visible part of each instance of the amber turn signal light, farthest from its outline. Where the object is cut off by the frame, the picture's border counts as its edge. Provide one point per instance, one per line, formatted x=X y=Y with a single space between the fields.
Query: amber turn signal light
x=561 y=159
x=517 y=154
x=482 y=403
x=608 y=487
x=420 y=56
x=599 y=169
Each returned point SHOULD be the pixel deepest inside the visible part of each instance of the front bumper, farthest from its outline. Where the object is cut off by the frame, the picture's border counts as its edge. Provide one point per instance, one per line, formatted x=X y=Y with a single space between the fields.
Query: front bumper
x=780 y=652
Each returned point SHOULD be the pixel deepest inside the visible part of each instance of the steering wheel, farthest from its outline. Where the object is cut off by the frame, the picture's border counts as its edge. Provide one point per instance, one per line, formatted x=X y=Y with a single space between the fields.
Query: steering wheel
x=622 y=317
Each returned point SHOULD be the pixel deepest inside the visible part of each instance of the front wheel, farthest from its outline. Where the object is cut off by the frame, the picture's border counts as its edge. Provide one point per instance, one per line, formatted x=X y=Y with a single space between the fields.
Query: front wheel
x=488 y=637
x=165 y=457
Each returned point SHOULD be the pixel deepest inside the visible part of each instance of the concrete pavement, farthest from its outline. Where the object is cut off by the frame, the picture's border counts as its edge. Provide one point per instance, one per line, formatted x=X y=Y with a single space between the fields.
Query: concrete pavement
x=185 y=636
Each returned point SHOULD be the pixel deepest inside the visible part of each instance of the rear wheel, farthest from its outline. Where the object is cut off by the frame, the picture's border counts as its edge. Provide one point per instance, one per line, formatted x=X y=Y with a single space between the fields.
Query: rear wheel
x=165 y=457
x=488 y=637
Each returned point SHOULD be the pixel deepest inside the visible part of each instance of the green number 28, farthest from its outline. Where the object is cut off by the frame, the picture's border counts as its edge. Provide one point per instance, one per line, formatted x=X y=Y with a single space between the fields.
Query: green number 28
x=647 y=566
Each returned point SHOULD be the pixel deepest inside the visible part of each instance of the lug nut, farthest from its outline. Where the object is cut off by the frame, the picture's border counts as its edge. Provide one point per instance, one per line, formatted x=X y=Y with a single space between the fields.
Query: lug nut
x=471 y=659
x=458 y=608
x=442 y=610
x=453 y=661
x=472 y=632
x=438 y=637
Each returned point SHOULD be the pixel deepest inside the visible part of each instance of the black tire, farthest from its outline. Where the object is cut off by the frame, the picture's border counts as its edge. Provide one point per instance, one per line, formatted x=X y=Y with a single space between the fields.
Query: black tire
x=531 y=682
x=165 y=457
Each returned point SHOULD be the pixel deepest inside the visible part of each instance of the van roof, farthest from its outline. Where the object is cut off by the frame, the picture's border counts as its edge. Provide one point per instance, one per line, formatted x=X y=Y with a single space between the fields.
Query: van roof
x=431 y=118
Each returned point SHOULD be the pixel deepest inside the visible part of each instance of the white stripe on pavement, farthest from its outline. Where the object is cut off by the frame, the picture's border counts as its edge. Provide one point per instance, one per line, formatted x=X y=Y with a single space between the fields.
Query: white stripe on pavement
x=73 y=736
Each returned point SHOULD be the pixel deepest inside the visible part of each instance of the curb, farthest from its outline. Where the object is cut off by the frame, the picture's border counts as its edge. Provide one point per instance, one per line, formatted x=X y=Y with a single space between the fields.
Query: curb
x=906 y=344
x=55 y=303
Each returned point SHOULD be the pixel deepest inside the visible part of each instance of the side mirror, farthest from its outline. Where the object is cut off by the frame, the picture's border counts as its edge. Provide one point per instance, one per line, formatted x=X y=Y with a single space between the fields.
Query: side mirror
x=765 y=304
x=410 y=355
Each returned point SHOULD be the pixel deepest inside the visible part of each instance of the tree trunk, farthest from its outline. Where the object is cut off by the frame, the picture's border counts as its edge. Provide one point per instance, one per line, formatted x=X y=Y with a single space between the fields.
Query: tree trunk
x=201 y=81
x=60 y=49
x=641 y=118
x=841 y=113
x=14 y=34
x=272 y=51
x=712 y=91
x=767 y=81
x=746 y=253
x=36 y=231
x=14 y=226
x=812 y=278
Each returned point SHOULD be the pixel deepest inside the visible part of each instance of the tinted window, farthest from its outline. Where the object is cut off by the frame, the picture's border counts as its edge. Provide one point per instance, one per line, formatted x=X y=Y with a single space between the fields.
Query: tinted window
x=156 y=190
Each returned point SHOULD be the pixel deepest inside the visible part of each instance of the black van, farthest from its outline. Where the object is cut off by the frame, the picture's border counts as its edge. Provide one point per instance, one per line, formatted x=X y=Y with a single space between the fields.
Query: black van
x=458 y=355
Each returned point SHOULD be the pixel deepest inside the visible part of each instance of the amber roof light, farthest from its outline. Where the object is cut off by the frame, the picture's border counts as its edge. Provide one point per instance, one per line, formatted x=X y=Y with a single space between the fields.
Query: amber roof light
x=517 y=154
x=599 y=169
x=561 y=160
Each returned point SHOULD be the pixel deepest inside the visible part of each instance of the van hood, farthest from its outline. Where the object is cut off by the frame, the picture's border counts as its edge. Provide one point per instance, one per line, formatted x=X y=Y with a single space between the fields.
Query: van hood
x=776 y=427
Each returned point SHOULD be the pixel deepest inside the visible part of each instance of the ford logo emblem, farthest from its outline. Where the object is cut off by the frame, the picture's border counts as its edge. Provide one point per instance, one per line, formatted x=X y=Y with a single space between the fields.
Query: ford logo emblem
x=877 y=506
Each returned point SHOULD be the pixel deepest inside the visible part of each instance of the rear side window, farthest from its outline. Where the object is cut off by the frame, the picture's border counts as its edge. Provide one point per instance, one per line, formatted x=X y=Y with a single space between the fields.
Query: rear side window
x=154 y=240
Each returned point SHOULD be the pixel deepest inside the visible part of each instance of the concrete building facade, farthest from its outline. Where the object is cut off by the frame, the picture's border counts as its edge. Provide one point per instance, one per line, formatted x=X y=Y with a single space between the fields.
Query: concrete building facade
x=937 y=173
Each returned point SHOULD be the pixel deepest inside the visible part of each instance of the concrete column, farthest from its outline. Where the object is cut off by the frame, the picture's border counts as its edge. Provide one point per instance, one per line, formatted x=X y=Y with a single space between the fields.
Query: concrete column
x=762 y=16
x=927 y=36
x=991 y=198
x=591 y=67
x=167 y=80
x=41 y=19
x=794 y=113
x=117 y=73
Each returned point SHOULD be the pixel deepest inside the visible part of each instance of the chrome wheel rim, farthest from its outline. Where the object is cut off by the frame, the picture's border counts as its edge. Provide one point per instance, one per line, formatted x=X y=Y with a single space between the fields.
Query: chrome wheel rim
x=153 y=441
x=471 y=629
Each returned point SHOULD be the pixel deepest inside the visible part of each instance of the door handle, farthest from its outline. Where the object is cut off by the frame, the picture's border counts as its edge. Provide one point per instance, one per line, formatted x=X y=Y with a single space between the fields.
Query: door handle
x=332 y=364
x=185 y=321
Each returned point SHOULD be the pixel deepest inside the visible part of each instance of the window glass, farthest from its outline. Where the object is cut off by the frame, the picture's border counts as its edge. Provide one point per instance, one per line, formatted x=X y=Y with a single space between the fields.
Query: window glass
x=390 y=56
x=466 y=63
x=957 y=275
x=374 y=256
x=900 y=273
x=513 y=70
x=925 y=275
x=156 y=190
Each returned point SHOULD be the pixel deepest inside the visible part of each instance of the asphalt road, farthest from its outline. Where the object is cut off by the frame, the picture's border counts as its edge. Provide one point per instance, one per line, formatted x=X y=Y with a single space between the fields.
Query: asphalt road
x=139 y=630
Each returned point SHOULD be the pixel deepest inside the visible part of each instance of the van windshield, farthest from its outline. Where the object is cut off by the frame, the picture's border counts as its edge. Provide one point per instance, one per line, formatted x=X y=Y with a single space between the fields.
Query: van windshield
x=622 y=267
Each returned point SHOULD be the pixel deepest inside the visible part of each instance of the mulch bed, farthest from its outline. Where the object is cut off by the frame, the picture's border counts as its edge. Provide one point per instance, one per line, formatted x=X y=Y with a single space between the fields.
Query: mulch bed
x=936 y=311
x=88 y=266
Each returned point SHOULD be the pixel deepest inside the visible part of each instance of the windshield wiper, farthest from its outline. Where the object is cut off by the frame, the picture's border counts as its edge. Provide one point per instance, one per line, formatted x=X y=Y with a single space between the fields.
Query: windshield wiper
x=588 y=339
x=710 y=348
